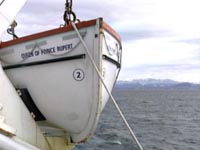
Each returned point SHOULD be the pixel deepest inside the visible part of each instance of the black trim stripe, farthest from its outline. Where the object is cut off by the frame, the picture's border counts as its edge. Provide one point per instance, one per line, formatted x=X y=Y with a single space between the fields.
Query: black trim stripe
x=81 y=56
x=112 y=61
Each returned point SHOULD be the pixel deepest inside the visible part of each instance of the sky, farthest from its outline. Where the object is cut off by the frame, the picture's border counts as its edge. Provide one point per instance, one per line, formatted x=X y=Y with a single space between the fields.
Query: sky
x=160 y=38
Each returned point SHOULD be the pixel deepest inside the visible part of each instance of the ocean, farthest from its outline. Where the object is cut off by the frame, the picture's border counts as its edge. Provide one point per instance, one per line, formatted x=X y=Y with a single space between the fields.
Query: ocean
x=167 y=119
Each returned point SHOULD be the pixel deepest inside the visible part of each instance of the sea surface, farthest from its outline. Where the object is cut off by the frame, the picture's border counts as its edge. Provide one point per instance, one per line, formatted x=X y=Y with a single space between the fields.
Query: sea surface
x=161 y=119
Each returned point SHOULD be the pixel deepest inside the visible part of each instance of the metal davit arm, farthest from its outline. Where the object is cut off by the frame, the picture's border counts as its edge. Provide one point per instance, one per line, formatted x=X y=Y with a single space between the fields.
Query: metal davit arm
x=11 y=108
x=7 y=143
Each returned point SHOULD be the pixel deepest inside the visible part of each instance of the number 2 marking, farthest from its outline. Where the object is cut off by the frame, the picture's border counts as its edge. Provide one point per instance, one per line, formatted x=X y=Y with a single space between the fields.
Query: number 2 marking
x=78 y=74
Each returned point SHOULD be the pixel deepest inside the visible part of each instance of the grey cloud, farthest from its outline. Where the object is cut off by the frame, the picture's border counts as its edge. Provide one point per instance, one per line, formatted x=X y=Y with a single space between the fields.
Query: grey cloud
x=159 y=69
x=190 y=40
x=40 y=7
x=168 y=67
x=43 y=12
x=51 y=12
x=137 y=34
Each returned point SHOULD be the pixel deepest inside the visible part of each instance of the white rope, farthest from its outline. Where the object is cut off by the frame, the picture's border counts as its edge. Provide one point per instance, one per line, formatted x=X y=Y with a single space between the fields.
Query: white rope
x=112 y=98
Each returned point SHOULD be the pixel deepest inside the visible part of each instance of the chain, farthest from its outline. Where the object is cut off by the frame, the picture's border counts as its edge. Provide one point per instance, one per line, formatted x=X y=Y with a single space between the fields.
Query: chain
x=69 y=16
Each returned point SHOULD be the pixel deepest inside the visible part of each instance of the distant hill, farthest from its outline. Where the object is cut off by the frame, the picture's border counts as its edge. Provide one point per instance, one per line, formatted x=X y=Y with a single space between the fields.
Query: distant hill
x=156 y=84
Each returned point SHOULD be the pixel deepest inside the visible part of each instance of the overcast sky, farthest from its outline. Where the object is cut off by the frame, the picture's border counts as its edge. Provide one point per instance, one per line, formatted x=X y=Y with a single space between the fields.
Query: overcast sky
x=161 y=38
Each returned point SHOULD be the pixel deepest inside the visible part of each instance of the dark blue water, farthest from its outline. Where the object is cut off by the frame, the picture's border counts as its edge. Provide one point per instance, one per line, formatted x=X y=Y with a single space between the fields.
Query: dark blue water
x=161 y=119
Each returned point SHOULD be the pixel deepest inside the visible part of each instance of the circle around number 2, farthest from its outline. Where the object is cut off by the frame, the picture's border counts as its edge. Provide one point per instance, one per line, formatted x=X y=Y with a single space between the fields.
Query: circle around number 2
x=78 y=74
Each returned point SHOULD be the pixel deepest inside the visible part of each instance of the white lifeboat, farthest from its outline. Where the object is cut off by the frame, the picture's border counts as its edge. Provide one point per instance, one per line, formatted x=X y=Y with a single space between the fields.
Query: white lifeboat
x=56 y=78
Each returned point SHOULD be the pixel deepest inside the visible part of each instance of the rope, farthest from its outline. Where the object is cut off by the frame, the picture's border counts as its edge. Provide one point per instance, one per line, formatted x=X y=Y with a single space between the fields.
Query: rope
x=112 y=98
